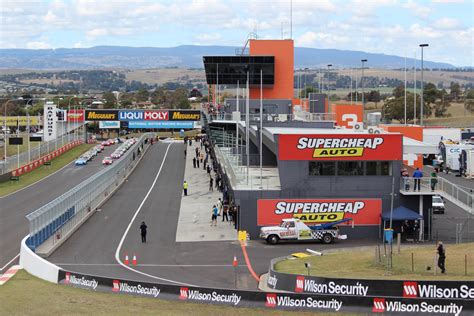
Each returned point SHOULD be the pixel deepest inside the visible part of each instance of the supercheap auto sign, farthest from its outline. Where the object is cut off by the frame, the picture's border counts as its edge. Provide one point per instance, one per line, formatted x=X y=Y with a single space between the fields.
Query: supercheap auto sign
x=362 y=211
x=340 y=147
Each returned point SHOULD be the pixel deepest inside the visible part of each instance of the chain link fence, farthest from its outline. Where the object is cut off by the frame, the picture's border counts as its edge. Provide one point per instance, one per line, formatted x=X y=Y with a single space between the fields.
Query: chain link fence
x=60 y=217
x=36 y=152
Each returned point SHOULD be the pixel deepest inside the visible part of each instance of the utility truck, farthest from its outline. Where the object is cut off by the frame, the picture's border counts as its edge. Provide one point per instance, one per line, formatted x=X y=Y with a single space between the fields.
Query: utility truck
x=295 y=229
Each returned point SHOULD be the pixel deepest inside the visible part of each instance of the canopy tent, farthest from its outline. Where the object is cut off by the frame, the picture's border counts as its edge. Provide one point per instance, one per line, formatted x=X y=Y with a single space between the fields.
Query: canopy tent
x=412 y=146
x=402 y=213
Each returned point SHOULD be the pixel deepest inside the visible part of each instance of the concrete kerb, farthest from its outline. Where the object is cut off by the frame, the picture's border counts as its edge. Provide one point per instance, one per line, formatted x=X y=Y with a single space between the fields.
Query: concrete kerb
x=56 y=245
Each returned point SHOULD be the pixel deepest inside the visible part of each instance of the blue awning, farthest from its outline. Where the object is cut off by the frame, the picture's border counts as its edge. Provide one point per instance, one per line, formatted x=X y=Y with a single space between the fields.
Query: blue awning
x=402 y=213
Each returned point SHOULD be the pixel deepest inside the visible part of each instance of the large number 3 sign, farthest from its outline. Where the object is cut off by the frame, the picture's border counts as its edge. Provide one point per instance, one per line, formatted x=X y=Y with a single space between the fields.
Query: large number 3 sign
x=349 y=120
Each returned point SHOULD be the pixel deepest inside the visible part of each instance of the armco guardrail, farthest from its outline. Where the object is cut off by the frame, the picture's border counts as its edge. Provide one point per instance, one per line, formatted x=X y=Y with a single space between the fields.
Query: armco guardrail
x=445 y=297
x=61 y=216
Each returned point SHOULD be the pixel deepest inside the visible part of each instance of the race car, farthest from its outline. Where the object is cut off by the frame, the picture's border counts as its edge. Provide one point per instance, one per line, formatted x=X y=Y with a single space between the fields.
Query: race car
x=81 y=161
x=107 y=161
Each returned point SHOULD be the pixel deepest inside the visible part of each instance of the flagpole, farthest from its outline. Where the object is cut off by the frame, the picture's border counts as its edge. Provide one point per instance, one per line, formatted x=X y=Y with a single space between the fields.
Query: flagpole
x=237 y=123
x=261 y=125
x=405 y=89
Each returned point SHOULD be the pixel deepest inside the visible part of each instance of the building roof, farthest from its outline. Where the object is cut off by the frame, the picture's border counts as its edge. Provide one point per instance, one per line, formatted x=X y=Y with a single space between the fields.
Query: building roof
x=299 y=130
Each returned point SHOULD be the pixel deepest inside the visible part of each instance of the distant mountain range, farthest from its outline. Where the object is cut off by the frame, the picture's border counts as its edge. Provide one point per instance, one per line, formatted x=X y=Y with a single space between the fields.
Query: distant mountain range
x=186 y=56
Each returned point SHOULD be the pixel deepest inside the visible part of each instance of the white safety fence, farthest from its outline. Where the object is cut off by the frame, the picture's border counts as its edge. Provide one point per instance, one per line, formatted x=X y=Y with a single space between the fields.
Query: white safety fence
x=54 y=222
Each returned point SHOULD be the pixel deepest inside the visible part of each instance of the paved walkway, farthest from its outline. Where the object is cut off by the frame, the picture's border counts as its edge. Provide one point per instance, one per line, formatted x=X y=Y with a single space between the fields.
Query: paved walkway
x=194 y=223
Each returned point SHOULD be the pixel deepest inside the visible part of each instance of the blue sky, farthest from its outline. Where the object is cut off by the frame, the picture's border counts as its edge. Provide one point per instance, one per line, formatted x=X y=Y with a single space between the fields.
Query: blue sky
x=380 y=26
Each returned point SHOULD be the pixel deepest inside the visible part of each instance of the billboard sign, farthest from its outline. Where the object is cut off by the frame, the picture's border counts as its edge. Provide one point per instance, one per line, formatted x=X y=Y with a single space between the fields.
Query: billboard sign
x=160 y=124
x=313 y=211
x=19 y=120
x=156 y=115
x=75 y=115
x=101 y=115
x=178 y=115
x=340 y=147
x=50 y=121
x=109 y=124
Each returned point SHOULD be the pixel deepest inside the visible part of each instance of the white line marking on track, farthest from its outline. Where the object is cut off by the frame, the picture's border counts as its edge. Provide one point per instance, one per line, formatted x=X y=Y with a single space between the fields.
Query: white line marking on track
x=117 y=252
x=154 y=265
x=29 y=185
x=3 y=268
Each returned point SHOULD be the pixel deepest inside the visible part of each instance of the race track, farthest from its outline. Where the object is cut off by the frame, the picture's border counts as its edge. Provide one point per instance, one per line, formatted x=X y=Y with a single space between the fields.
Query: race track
x=14 y=207
x=156 y=195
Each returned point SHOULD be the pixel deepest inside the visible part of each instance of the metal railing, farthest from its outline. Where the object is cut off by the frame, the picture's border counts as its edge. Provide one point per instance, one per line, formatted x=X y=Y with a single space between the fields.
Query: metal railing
x=61 y=216
x=454 y=193
x=303 y=116
x=36 y=152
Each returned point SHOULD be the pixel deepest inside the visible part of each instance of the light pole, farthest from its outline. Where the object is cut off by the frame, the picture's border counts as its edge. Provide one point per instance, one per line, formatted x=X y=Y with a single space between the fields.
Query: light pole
x=362 y=82
x=329 y=66
x=421 y=101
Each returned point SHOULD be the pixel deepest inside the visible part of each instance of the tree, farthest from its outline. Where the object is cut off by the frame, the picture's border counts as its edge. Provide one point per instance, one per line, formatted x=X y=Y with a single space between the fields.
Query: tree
x=306 y=91
x=455 y=91
x=469 y=100
x=142 y=95
x=394 y=108
x=441 y=106
x=399 y=91
x=110 y=100
x=430 y=93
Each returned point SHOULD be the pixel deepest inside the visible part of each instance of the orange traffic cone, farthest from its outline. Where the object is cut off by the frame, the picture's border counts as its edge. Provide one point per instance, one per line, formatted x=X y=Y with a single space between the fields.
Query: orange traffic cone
x=234 y=262
x=134 y=260
x=126 y=260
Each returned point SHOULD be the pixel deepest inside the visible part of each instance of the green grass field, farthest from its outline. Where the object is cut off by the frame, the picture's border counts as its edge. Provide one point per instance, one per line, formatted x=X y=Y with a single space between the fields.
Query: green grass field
x=28 y=295
x=361 y=264
x=43 y=171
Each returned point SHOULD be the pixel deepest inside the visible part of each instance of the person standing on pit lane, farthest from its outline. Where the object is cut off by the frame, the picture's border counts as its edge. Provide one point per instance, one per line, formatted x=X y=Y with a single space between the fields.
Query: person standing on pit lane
x=185 y=188
x=194 y=162
x=211 y=187
x=215 y=211
x=143 y=229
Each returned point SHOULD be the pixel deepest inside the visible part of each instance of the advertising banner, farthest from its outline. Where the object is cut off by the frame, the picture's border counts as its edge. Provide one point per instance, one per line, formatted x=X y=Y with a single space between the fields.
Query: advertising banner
x=340 y=297
x=75 y=115
x=313 y=211
x=442 y=290
x=184 y=115
x=19 y=120
x=160 y=124
x=109 y=124
x=50 y=122
x=101 y=115
x=341 y=147
x=140 y=115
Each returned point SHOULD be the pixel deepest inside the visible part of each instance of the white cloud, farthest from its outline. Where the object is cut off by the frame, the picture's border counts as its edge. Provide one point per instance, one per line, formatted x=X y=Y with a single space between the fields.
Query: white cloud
x=96 y=33
x=321 y=40
x=208 y=38
x=37 y=45
x=447 y=24
x=420 y=10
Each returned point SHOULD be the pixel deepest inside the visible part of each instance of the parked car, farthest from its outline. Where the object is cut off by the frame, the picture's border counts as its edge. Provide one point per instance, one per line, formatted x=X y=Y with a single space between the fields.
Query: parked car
x=438 y=204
